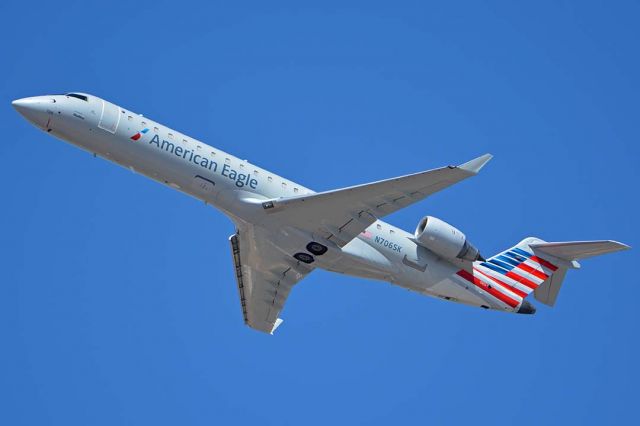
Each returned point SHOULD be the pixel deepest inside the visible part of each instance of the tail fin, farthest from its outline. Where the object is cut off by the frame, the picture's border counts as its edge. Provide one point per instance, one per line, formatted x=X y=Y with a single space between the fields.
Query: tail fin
x=536 y=266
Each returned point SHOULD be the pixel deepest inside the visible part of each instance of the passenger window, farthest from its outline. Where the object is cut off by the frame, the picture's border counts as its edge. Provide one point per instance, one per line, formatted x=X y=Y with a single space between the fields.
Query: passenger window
x=227 y=161
x=155 y=129
x=170 y=135
x=379 y=227
x=295 y=190
x=269 y=178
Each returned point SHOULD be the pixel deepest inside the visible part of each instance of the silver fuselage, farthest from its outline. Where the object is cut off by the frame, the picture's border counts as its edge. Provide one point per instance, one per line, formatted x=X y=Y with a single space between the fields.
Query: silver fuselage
x=237 y=187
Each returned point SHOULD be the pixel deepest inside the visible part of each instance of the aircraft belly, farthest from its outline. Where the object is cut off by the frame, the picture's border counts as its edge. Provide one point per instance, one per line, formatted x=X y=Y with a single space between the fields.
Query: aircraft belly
x=359 y=259
x=433 y=276
x=450 y=290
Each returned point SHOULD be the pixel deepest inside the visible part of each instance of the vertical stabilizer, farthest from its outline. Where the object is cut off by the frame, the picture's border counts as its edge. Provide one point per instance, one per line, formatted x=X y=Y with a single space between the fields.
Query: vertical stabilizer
x=534 y=265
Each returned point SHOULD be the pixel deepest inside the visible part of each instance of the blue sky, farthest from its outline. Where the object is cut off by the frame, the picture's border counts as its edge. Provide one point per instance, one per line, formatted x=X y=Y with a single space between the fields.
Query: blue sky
x=117 y=299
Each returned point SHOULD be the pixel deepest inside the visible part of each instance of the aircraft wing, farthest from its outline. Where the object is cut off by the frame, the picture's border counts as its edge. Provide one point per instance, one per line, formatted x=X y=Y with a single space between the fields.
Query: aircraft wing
x=264 y=276
x=340 y=215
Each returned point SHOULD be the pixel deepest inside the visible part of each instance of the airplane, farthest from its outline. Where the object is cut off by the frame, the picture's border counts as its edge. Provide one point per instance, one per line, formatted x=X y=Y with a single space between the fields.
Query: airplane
x=284 y=230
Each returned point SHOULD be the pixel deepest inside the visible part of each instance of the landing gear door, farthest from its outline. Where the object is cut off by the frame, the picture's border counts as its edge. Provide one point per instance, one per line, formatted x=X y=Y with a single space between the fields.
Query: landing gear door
x=110 y=117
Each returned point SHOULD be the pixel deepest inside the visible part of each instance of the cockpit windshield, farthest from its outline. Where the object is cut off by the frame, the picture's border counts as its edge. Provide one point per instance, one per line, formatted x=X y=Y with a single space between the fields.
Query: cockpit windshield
x=77 y=95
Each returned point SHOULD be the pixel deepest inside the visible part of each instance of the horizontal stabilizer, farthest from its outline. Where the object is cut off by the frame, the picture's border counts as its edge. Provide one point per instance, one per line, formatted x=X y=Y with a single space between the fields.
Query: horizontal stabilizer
x=574 y=250
x=569 y=251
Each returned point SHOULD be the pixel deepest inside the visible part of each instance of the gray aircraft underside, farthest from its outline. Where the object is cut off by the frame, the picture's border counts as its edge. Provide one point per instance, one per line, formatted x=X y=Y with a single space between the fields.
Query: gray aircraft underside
x=284 y=230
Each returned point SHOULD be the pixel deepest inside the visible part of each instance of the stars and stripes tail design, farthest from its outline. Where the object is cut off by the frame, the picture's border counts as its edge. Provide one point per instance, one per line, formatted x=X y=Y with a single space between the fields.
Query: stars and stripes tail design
x=510 y=276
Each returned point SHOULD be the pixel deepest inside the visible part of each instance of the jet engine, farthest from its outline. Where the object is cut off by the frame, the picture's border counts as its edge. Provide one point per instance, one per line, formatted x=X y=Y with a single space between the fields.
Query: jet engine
x=445 y=240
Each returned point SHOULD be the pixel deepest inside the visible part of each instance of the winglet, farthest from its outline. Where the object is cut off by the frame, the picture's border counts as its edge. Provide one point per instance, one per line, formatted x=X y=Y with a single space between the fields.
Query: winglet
x=276 y=325
x=476 y=164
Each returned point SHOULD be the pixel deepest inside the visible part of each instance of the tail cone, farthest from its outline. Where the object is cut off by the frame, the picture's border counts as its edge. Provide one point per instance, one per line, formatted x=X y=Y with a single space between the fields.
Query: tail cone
x=526 y=308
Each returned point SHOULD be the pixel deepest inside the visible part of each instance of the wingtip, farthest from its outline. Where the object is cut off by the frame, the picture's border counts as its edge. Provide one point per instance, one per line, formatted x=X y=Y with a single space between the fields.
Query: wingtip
x=476 y=164
x=276 y=325
x=619 y=245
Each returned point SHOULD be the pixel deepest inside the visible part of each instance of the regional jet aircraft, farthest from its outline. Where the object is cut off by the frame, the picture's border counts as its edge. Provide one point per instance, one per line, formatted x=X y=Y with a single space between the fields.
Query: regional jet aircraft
x=284 y=230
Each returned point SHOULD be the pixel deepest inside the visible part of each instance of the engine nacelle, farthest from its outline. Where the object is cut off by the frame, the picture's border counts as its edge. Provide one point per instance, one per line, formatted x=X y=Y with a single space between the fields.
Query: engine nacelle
x=445 y=240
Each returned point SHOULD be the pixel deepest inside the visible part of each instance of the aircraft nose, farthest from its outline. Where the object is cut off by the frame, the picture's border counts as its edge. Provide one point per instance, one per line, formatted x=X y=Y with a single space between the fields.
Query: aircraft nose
x=35 y=109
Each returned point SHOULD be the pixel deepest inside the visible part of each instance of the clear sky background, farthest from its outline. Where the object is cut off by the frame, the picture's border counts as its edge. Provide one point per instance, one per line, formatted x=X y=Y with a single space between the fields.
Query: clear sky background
x=117 y=300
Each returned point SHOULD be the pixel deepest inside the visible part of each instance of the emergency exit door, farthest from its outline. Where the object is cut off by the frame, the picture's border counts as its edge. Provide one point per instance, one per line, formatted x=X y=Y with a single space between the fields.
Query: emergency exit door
x=110 y=117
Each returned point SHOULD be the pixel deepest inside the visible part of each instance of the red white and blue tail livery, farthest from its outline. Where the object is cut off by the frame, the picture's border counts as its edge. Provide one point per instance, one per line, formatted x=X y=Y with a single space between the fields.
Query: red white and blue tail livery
x=531 y=266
